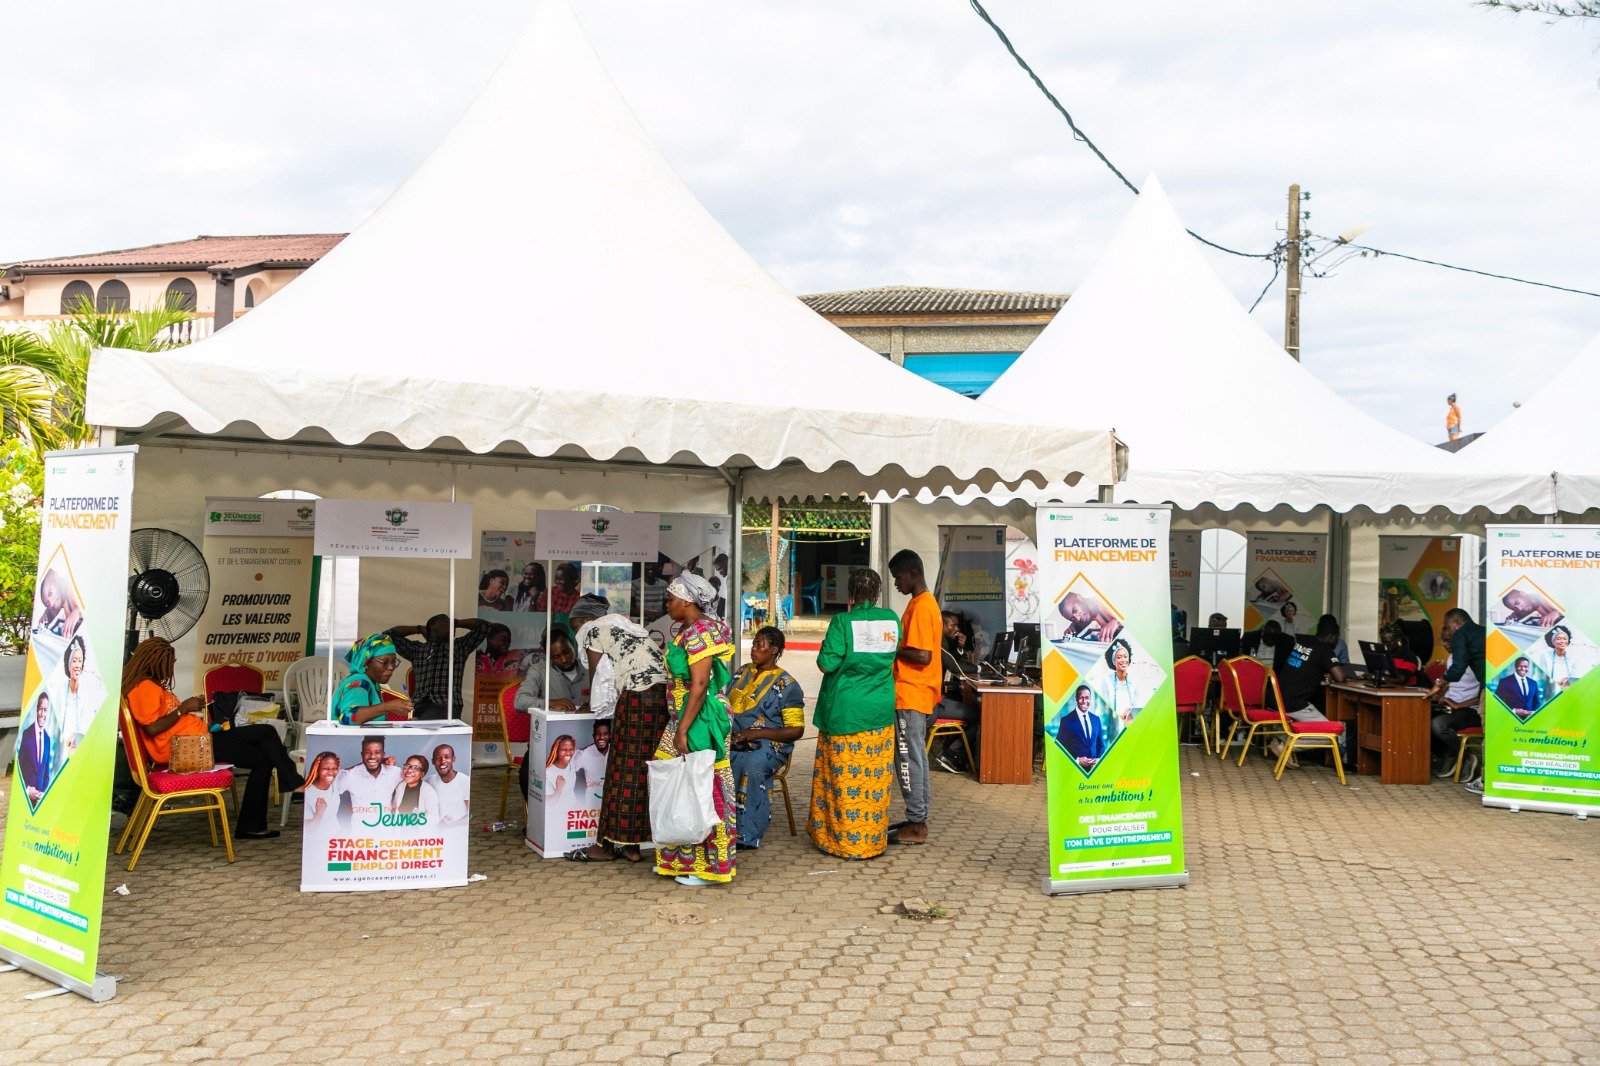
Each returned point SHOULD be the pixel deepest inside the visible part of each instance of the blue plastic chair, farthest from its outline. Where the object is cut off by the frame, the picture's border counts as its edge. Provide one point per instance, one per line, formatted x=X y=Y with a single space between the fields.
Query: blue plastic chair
x=811 y=597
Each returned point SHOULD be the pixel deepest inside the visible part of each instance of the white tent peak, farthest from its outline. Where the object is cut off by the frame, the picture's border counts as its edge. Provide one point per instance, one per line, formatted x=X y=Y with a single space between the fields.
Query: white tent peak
x=545 y=283
x=1553 y=430
x=1212 y=409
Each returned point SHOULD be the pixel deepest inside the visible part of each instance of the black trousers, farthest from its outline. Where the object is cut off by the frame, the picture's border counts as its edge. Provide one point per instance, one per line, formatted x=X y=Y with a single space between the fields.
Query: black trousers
x=256 y=748
x=427 y=707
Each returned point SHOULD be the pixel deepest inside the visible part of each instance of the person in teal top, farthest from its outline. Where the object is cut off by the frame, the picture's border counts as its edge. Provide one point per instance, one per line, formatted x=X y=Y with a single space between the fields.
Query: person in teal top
x=852 y=781
x=360 y=697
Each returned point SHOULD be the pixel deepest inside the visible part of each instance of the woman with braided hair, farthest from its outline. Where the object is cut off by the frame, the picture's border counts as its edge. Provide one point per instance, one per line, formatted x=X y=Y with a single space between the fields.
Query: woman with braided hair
x=147 y=688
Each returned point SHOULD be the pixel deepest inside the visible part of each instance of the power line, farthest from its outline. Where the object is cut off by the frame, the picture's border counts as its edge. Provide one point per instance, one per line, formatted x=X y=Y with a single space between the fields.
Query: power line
x=1470 y=270
x=1079 y=135
x=1274 y=256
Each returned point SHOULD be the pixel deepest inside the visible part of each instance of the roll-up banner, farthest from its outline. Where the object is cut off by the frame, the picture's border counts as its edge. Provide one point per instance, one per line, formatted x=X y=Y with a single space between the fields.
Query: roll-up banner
x=1284 y=580
x=260 y=610
x=1111 y=754
x=52 y=870
x=972 y=579
x=1417 y=583
x=687 y=543
x=1184 y=578
x=1542 y=711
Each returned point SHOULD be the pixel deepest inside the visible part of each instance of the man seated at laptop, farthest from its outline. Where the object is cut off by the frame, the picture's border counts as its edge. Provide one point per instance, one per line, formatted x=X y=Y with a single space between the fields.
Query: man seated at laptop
x=959 y=639
x=1264 y=644
x=1305 y=662
x=1402 y=660
x=1457 y=693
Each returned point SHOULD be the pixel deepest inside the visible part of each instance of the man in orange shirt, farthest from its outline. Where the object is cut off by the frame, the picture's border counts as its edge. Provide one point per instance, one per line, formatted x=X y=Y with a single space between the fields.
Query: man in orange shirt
x=1452 y=417
x=918 y=675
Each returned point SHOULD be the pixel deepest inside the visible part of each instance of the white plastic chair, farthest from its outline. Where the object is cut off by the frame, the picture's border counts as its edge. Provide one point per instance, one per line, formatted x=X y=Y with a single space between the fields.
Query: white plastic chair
x=305 y=692
x=305 y=700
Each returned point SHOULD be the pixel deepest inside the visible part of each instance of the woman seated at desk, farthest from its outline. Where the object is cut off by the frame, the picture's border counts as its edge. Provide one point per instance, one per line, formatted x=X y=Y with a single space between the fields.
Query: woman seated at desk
x=361 y=697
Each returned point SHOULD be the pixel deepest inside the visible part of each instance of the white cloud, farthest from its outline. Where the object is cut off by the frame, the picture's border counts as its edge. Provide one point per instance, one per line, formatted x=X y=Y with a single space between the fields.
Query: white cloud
x=848 y=144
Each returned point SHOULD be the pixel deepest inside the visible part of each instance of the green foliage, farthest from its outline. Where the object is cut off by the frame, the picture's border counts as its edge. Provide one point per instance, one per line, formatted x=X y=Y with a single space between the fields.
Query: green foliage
x=29 y=373
x=21 y=503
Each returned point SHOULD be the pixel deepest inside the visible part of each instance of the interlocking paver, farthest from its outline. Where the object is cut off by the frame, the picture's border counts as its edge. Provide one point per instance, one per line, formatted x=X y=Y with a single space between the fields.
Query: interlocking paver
x=1400 y=930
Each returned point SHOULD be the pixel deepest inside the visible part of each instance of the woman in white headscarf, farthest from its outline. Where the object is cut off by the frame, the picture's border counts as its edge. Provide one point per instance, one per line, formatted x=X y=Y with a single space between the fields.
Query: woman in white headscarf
x=697 y=670
x=625 y=670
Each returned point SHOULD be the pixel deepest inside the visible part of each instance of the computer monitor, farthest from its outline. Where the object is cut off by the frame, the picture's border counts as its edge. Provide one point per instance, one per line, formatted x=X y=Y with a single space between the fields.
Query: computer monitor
x=1379 y=663
x=1214 y=644
x=1000 y=654
x=1025 y=637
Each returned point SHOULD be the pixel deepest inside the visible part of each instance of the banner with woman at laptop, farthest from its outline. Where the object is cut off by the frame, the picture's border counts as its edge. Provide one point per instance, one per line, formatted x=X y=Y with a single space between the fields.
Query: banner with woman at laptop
x=1111 y=743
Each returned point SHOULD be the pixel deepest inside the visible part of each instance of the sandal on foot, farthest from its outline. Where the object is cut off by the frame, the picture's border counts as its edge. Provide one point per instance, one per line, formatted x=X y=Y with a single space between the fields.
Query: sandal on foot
x=582 y=855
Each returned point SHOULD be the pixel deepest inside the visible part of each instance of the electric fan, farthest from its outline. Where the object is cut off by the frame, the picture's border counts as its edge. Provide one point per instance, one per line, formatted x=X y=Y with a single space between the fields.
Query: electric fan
x=168 y=584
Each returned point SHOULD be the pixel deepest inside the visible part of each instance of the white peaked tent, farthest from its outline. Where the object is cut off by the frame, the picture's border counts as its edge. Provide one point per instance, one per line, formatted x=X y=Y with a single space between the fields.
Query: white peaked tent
x=544 y=285
x=1153 y=343
x=1554 y=430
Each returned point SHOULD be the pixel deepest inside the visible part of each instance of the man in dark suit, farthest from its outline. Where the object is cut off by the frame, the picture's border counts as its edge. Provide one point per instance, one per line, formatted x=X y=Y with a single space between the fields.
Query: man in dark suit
x=1518 y=691
x=36 y=752
x=1081 y=732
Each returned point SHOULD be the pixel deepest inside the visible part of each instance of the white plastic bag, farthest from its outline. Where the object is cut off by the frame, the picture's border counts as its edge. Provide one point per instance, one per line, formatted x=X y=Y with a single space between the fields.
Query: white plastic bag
x=681 y=810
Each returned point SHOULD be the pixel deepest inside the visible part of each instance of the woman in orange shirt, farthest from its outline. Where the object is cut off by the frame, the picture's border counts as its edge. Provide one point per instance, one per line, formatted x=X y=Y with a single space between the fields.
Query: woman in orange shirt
x=147 y=688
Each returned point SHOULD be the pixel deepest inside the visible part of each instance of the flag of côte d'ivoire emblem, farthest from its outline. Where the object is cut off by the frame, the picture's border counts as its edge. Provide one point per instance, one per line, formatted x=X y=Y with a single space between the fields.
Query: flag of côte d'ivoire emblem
x=397 y=516
x=305 y=513
x=601 y=524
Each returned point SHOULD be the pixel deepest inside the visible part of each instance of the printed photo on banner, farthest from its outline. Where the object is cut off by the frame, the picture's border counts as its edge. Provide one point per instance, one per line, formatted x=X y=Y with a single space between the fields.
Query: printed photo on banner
x=386 y=806
x=58 y=714
x=1557 y=654
x=1112 y=676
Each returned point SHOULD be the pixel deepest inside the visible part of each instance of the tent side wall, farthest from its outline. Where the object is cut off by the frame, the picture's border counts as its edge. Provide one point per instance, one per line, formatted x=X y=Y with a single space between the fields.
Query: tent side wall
x=172 y=482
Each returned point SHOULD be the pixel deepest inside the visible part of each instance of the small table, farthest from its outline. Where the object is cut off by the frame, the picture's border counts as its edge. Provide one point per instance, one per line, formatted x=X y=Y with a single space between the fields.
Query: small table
x=1006 y=714
x=1393 y=738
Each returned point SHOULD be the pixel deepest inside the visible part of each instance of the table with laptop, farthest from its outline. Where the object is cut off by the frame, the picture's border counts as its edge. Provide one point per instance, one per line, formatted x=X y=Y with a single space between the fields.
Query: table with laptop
x=1004 y=687
x=1390 y=717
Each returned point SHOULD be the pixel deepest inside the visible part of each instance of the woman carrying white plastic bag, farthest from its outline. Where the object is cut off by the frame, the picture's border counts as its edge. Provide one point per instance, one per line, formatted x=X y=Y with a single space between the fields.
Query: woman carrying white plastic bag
x=681 y=809
x=697 y=671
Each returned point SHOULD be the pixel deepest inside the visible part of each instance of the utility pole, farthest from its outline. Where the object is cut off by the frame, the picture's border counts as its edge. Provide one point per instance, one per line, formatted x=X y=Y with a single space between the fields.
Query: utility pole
x=1291 y=266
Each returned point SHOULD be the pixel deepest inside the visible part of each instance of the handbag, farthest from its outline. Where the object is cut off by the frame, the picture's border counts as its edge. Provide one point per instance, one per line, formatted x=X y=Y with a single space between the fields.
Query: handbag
x=681 y=807
x=191 y=754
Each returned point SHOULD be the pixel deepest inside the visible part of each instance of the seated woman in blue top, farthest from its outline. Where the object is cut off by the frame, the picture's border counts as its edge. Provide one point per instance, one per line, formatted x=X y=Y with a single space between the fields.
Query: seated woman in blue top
x=360 y=697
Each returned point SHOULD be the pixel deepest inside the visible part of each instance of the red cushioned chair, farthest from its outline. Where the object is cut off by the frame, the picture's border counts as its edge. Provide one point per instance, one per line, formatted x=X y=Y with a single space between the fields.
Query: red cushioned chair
x=1434 y=671
x=1191 y=678
x=234 y=677
x=1244 y=686
x=1468 y=735
x=515 y=728
x=159 y=787
x=1303 y=734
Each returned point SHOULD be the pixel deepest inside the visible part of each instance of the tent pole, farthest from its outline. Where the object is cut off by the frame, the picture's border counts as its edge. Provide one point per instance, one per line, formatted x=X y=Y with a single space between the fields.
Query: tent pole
x=733 y=584
x=772 y=563
x=333 y=606
x=450 y=625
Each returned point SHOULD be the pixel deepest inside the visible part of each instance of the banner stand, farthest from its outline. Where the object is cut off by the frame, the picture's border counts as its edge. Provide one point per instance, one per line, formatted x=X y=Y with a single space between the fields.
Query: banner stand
x=1081 y=888
x=100 y=990
x=1113 y=785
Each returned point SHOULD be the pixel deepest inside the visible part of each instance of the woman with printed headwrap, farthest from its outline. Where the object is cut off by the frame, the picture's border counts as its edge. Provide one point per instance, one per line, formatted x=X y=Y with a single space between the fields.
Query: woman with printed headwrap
x=361 y=697
x=628 y=683
x=697 y=671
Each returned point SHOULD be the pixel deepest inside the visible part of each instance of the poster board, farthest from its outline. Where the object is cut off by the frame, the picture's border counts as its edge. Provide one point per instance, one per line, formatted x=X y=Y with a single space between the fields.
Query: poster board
x=1284 y=580
x=566 y=776
x=1541 y=738
x=58 y=814
x=695 y=543
x=361 y=833
x=1417 y=583
x=1111 y=748
x=1183 y=577
x=259 y=611
x=972 y=579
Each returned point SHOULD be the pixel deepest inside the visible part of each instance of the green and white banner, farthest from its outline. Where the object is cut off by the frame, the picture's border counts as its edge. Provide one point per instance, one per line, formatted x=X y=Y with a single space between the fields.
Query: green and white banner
x=52 y=869
x=1284 y=579
x=1111 y=750
x=1542 y=711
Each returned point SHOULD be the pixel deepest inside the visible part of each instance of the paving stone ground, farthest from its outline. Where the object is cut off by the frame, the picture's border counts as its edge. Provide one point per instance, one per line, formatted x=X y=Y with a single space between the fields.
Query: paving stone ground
x=1375 y=924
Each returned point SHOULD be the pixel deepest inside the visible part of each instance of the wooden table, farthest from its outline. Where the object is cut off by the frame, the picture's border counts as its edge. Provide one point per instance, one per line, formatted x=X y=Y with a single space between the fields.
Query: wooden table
x=1393 y=738
x=1005 y=756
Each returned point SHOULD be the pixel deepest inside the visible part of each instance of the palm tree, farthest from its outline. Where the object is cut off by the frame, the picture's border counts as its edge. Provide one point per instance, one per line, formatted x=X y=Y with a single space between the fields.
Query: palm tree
x=30 y=374
x=141 y=330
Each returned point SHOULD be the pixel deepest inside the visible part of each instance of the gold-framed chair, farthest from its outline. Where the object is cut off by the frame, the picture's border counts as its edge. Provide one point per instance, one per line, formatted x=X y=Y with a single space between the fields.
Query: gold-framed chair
x=1314 y=734
x=1244 y=687
x=1191 y=683
x=158 y=788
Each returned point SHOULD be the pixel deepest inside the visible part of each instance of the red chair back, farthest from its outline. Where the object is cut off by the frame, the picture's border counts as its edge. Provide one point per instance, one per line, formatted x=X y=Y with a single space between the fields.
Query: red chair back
x=234 y=677
x=1434 y=671
x=1249 y=683
x=518 y=725
x=1191 y=677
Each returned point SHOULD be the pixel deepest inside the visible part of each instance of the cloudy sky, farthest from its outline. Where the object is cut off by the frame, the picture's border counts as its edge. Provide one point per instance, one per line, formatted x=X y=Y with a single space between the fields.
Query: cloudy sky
x=850 y=144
